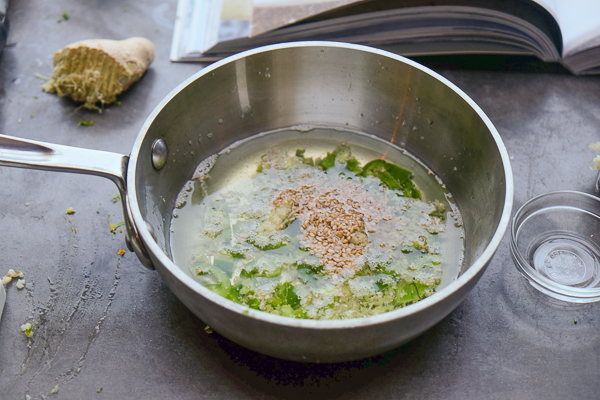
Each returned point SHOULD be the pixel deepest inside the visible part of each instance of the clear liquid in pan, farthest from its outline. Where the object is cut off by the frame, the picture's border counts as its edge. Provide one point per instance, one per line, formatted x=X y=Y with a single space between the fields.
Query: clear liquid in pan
x=401 y=249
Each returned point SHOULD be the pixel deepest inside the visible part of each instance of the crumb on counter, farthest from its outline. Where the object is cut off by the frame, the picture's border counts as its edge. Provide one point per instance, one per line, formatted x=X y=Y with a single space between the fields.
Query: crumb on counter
x=27 y=329
x=121 y=252
x=113 y=227
x=20 y=284
x=40 y=76
x=10 y=275
x=596 y=146
x=70 y=211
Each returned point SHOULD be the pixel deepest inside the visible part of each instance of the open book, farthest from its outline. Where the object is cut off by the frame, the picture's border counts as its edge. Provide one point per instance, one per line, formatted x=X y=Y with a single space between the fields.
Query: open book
x=565 y=31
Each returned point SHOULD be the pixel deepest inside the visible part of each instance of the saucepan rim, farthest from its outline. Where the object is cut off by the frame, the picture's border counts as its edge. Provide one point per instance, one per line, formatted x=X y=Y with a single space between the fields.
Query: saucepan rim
x=177 y=272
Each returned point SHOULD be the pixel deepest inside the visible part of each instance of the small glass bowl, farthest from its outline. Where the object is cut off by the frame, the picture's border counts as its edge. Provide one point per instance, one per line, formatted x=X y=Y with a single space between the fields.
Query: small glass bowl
x=555 y=244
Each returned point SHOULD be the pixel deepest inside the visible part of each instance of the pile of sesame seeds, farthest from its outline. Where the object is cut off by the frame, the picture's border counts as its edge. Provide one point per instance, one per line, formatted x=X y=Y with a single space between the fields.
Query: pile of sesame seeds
x=335 y=222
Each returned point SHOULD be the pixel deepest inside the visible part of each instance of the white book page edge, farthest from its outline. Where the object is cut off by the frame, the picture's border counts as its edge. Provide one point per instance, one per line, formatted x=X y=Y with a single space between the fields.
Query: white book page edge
x=179 y=27
x=579 y=22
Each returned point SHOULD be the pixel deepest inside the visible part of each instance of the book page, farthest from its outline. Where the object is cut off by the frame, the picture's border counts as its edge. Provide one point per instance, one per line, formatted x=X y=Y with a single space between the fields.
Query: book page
x=579 y=22
x=235 y=20
x=237 y=9
x=272 y=14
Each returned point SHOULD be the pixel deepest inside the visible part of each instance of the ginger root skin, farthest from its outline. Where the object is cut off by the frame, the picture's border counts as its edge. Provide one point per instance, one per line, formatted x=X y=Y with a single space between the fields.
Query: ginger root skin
x=97 y=70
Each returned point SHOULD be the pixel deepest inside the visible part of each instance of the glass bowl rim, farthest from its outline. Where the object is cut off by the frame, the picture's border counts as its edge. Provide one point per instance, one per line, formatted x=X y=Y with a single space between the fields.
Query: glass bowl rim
x=558 y=291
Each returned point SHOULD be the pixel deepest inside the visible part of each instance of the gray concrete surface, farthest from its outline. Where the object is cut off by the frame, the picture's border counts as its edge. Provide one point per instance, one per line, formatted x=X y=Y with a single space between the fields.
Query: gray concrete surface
x=105 y=327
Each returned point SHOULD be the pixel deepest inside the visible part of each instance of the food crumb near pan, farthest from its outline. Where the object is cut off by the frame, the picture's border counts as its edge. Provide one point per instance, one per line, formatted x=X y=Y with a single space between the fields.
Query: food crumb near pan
x=13 y=274
x=27 y=329
x=596 y=146
x=6 y=279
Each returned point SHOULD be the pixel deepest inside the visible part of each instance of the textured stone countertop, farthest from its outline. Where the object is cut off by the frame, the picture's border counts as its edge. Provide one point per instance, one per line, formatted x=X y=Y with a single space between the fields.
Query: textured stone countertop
x=106 y=327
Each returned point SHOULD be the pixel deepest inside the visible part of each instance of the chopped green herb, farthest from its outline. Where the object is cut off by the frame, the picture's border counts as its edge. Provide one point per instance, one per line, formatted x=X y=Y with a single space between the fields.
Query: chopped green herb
x=308 y=161
x=354 y=166
x=113 y=227
x=287 y=295
x=342 y=153
x=65 y=15
x=116 y=198
x=85 y=123
x=392 y=176
x=99 y=390
x=235 y=254
x=270 y=246
x=437 y=214
x=311 y=269
x=328 y=161
x=253 y=273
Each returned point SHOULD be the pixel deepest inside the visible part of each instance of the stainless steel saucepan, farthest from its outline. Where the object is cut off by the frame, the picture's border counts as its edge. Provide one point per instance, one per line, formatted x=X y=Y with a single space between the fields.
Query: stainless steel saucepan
x=304 y=83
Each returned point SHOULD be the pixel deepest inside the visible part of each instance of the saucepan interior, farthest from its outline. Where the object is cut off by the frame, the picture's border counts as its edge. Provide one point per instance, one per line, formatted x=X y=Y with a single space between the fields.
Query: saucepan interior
x=334 y=85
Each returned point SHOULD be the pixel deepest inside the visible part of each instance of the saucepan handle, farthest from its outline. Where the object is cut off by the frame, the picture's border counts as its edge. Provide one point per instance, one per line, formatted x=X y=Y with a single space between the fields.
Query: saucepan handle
x=21 y=153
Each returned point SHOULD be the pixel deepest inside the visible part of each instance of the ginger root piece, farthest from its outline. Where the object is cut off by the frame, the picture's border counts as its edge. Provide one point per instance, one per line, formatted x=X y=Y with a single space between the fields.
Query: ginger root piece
x=97 y=70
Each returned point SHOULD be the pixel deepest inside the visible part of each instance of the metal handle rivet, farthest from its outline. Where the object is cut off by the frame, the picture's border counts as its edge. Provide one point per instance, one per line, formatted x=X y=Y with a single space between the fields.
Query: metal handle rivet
x=159 y=153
